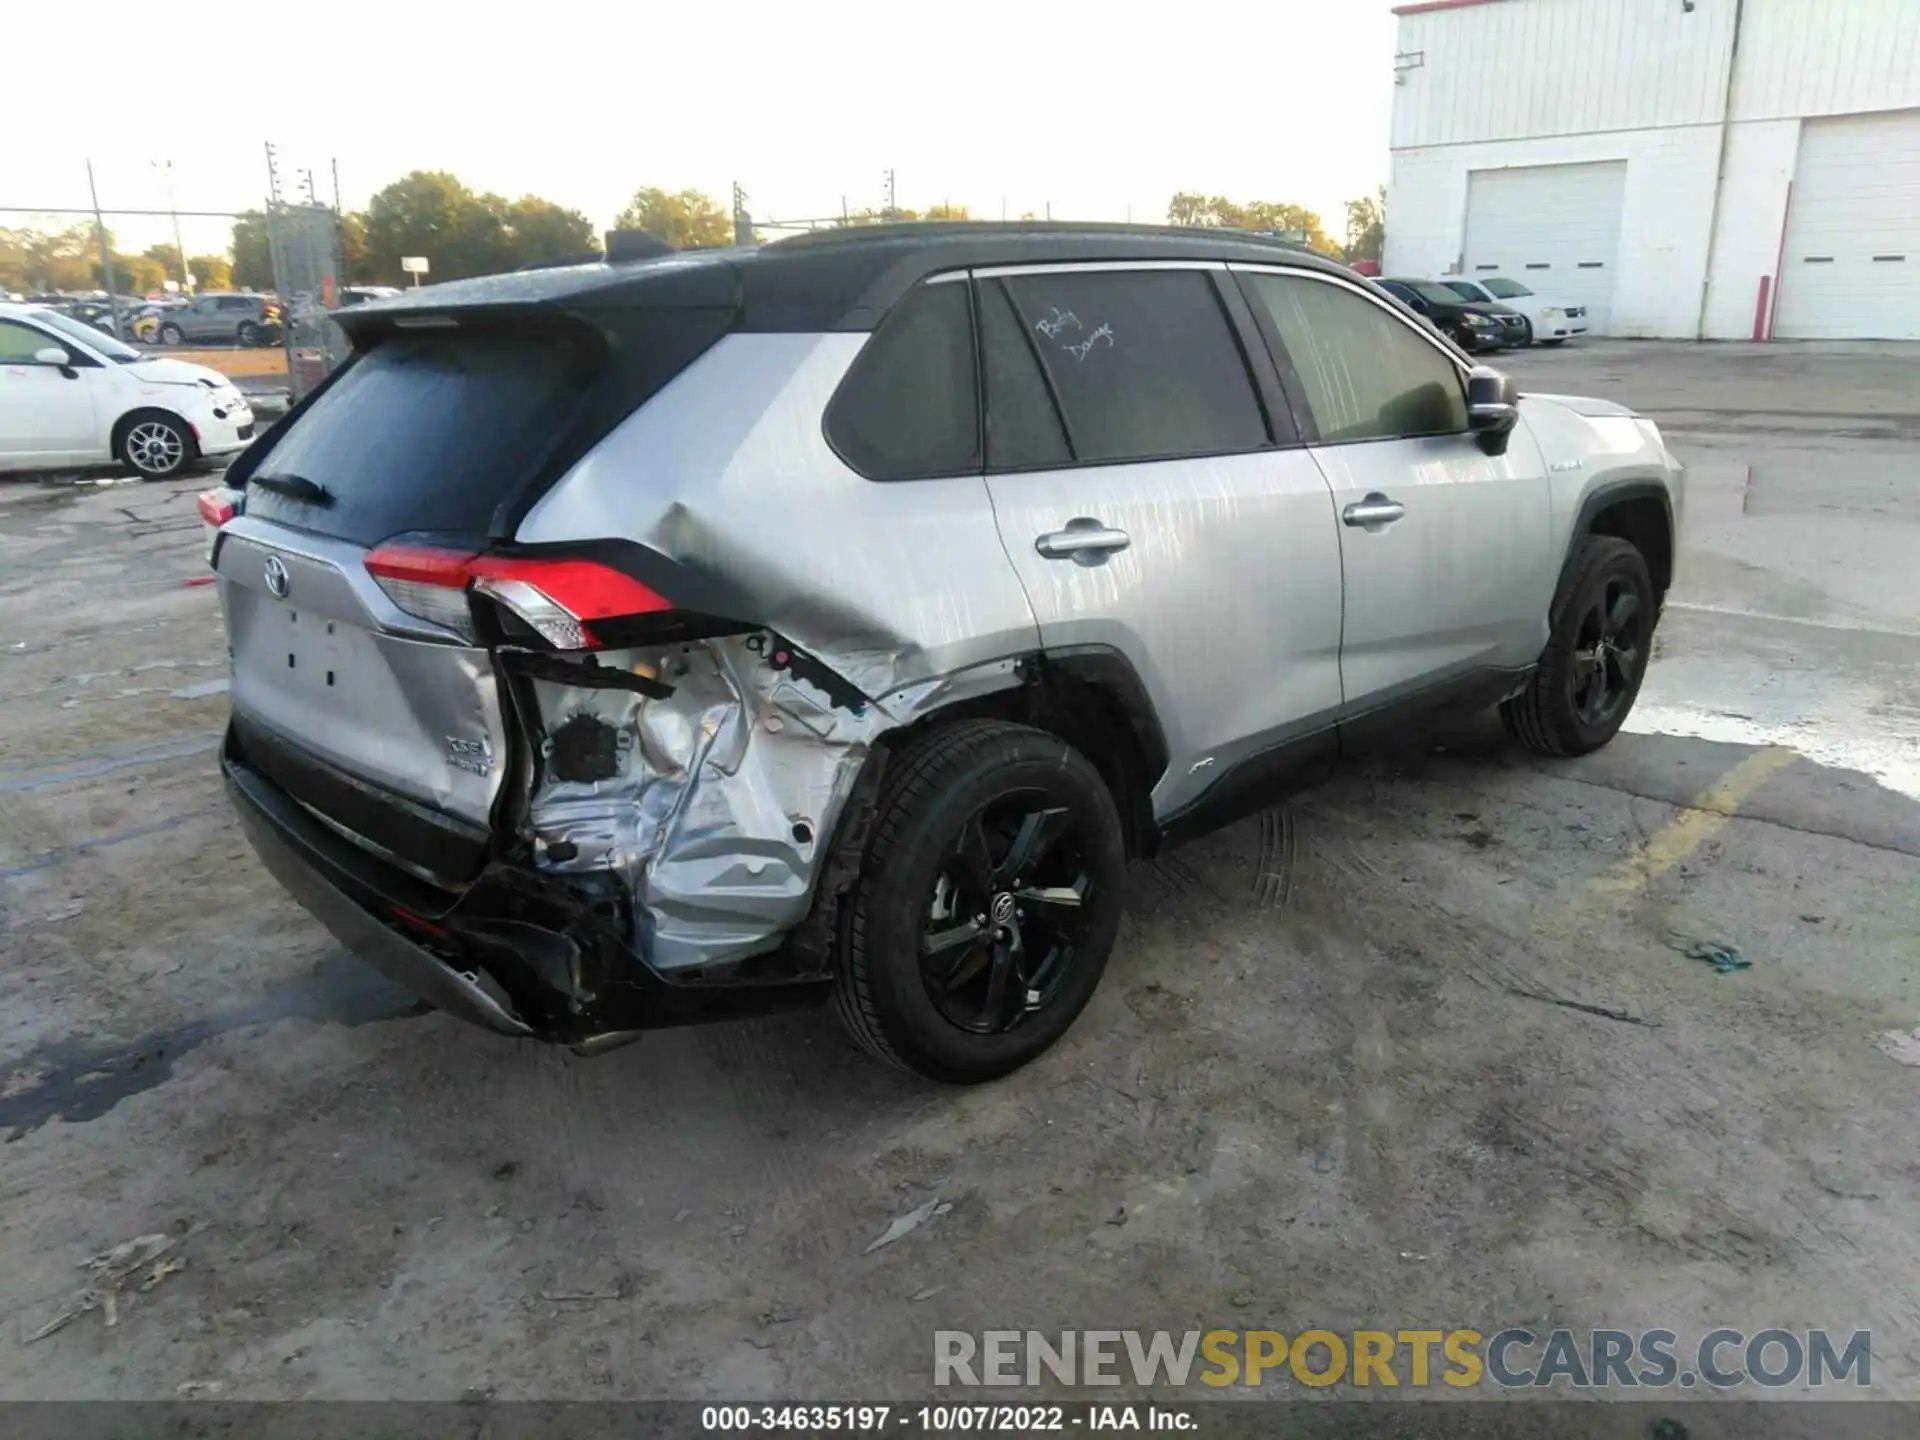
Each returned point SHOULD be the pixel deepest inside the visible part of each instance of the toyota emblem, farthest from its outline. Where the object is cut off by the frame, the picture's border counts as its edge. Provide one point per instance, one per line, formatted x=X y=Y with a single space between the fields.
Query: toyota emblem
x=278 y=581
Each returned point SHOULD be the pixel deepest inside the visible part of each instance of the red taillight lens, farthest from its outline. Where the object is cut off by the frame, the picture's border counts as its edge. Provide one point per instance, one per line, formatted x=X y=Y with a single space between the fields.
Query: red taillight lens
x=214 y=508
x=558 y=597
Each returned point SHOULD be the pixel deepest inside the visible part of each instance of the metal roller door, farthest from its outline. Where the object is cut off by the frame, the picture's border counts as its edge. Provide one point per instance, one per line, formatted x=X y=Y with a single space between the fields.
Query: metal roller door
x=1852 y=264
x=1554 y=228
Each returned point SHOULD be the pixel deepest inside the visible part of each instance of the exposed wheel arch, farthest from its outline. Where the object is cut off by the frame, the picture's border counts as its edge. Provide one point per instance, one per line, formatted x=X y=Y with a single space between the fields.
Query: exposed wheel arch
x=1092 y=698
x=1637 y=511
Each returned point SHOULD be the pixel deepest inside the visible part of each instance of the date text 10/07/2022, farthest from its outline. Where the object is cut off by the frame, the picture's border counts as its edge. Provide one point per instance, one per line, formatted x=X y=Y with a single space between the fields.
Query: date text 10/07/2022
x=944 y=1419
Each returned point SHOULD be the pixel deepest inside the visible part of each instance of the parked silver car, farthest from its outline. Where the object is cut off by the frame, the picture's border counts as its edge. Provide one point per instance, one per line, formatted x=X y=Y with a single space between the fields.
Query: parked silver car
x=625 y=645
x=224 y=318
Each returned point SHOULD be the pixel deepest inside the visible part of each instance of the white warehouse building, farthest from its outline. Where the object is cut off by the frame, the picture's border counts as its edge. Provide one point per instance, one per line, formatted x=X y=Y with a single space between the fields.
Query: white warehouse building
x=1713 y=169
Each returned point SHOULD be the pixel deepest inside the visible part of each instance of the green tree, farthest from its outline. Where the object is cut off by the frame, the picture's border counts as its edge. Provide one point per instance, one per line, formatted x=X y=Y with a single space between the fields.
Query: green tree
x=430 y=213
x=252 y=267
x=167 y=257
x=211 y=272
x=688 y=220
x=137 y=274
x=1367 y=227
x=32 y=260
x=1190 y=208
x=354 y=264
x=541 y=230
x=944 y=211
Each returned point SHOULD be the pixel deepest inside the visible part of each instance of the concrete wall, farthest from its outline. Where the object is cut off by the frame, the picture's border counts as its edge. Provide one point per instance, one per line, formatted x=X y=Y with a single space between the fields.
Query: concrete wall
x=1643 y=81
x=1662 y=262
x=1761 y=155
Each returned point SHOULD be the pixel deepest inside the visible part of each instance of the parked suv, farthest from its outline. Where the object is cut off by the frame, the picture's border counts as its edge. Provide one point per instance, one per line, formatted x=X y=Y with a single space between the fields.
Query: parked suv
x=623 y=645
x=228 y=319
x=1473 y=325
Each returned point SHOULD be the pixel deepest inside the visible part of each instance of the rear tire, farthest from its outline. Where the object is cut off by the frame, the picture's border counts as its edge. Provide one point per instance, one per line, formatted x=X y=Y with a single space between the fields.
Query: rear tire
x=156 y=444
x=925 y=980
x=1589 y=675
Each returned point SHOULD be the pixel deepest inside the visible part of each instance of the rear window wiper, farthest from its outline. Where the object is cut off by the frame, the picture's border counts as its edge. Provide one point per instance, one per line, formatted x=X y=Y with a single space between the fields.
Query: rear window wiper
x=294 y=487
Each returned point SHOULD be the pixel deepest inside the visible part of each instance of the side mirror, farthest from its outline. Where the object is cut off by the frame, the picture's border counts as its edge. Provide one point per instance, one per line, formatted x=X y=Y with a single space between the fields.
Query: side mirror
x=52 y=355
x=1493 y=407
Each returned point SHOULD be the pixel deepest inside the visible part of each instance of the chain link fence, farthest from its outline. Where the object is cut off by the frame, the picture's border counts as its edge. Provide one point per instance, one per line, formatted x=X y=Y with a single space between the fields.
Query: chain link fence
x=305 y=243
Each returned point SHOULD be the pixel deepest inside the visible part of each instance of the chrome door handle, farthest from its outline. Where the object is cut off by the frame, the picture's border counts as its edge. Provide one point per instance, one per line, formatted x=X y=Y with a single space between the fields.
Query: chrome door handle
x=1084 y=541
x=1376 y=509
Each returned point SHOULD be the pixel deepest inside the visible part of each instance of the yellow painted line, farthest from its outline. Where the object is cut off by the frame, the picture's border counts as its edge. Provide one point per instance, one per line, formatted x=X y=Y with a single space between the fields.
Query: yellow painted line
x=1699 y=820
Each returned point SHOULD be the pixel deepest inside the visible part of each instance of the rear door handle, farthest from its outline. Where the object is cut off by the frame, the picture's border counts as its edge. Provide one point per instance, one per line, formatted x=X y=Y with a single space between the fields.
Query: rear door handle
x=1084 y=541
x=1375 y=510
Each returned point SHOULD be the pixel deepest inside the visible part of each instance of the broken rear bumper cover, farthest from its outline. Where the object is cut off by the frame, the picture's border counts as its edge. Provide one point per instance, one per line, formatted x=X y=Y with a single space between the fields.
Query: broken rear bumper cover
x=520 y=952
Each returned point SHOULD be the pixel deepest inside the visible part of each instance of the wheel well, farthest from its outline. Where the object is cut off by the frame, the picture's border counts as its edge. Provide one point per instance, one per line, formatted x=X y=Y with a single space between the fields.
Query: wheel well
x=151 y=412
x=1643 y=523
x=1093 y=719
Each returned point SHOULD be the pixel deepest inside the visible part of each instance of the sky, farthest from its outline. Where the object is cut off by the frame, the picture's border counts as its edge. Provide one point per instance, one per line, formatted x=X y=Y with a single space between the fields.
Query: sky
x=1100 y=110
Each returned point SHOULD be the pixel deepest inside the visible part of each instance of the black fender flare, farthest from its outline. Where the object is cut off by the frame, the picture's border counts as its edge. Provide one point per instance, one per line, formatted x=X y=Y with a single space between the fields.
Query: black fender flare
x=1604 y=495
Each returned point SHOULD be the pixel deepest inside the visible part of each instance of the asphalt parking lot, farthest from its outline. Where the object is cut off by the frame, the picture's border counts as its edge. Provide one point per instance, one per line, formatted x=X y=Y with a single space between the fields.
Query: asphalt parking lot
x=1416 y=1049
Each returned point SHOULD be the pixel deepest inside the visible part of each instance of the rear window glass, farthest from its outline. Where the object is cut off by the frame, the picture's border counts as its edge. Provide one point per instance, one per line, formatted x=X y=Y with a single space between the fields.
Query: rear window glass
x=424 y=433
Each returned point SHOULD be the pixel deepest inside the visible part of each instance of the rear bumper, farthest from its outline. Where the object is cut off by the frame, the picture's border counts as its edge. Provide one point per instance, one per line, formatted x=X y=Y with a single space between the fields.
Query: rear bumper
x=517 y=952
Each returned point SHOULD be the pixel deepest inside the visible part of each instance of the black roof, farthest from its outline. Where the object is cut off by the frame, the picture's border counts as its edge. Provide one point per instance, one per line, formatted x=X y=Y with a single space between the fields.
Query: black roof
x=842 y=279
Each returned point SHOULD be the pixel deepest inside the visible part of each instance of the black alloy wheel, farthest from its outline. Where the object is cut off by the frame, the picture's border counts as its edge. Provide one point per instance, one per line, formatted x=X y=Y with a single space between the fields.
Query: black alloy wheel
x=988 y=901
x=1590 y=672
x=1007 y=915
x=1606 y=653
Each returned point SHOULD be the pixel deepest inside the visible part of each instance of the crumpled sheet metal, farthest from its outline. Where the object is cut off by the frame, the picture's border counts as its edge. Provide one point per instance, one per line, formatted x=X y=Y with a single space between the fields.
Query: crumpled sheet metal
x=730 y=792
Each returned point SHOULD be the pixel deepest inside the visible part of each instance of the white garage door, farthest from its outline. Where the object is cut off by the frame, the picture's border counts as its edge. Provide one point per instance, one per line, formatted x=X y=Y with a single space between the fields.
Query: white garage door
x=1554 y=228
x=1852 y=268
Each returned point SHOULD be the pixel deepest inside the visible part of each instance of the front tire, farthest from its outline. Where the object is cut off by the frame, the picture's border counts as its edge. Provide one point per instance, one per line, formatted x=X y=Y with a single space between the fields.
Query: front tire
x=1589 y=675
x=987 y=906
x=1526 y=331
x=1561 y=341
x=171 y=335
x=157 y=444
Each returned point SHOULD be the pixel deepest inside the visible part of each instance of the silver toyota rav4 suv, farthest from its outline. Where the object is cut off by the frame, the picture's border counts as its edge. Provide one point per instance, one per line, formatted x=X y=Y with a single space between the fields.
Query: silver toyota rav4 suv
x=625 y=645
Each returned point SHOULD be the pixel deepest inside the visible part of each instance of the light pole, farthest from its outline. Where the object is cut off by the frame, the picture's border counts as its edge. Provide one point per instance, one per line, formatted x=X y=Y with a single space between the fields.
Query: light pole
x=165 y=167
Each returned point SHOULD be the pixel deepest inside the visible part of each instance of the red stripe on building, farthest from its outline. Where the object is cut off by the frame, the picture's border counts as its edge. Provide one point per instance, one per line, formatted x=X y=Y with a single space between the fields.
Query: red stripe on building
x=1426 y=5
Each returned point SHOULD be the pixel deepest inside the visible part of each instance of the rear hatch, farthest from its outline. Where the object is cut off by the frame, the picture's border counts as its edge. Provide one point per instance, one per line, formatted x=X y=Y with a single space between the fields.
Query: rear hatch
x=371 y=696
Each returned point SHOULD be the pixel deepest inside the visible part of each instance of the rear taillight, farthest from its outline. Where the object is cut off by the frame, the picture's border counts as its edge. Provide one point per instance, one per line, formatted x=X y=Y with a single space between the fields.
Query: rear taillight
x=214 y=508
x=558 y=598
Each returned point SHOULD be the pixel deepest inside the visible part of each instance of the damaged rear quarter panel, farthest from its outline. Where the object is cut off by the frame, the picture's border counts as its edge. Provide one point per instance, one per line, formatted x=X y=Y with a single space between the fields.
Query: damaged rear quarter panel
x=728 y=793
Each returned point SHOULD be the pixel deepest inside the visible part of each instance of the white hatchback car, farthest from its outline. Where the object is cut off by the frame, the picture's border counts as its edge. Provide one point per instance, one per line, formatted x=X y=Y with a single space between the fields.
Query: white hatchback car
x=71 y=397
x=1547 y=323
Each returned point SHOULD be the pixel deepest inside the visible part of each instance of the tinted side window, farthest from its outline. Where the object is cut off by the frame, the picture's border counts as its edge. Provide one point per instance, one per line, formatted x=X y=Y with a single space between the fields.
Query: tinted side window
x=235 y=302
x=1144 y=363
x=1366 y=374
x=910 y=407
x=1023 y=415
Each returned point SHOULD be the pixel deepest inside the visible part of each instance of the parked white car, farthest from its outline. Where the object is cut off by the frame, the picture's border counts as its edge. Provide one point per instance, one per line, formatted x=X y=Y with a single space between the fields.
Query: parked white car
x=71 y=397
x=1549 y=324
